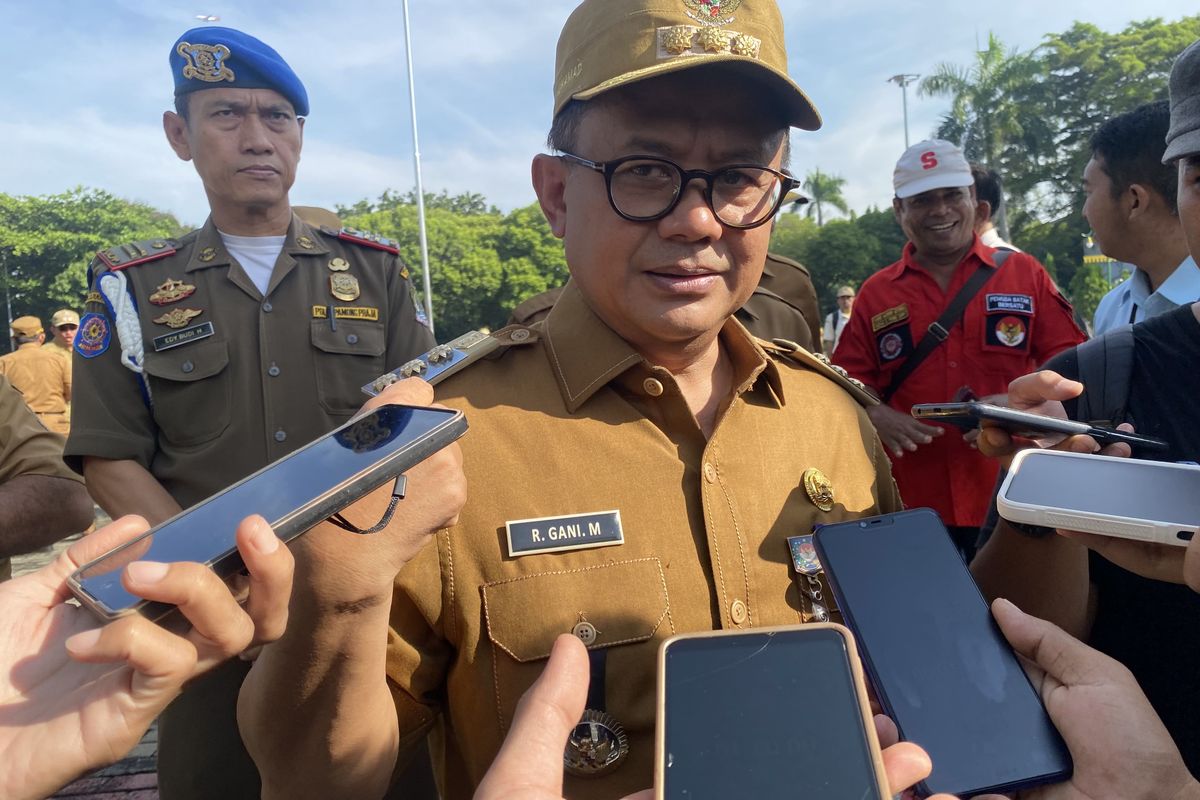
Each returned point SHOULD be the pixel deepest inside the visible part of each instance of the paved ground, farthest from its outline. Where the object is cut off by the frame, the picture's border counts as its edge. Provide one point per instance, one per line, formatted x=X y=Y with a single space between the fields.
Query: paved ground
x=132 y=778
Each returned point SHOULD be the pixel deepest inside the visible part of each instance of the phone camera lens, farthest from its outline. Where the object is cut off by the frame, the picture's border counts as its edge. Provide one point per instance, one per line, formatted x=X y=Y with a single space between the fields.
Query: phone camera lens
x=862 y=524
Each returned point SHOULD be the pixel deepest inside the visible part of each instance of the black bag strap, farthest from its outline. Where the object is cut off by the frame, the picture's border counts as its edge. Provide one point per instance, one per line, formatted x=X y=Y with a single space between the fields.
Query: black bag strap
x=1106 y=371
x=939 y=330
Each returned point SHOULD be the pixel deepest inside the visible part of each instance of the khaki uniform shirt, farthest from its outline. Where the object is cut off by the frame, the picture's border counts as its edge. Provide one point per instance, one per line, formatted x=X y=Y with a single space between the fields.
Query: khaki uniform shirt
x=275 y=373
x=63 y=352
x=43 y=380
x=570 y=420
x=26 y=448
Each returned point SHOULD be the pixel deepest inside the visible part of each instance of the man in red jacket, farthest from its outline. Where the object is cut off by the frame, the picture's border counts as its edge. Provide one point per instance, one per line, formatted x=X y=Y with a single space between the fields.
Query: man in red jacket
x=988 y=331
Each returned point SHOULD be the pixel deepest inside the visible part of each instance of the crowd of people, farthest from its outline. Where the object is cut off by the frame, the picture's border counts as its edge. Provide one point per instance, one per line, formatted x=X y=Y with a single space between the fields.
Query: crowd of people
x=676 y=378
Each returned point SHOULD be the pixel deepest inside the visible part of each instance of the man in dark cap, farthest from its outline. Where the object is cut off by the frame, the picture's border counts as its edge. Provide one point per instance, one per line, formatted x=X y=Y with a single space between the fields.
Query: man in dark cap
x=202 y=359
x=637 y=461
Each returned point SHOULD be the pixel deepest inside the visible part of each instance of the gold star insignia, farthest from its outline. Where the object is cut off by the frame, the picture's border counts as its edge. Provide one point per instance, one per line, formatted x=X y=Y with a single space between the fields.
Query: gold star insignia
x=745 y=45
x=678 y=39
x=713 y=40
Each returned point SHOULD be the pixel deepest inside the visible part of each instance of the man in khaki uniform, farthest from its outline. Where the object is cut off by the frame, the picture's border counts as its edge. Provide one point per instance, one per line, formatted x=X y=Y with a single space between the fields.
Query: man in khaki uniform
x=203 y=359
x=41 y=501
x=43 y=378
x=636 y=463
x=63 y=326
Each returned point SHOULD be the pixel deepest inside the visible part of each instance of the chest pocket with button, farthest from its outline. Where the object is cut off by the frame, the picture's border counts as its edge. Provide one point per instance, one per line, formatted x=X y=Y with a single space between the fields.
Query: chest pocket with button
x=192 y=391
x=620 y=605
x=347 y=358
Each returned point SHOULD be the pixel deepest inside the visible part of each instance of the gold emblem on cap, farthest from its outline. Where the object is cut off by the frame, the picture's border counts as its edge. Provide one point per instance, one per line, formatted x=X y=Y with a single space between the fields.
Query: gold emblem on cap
x=178 y=317
x=344 y=287
x=713 y=40
x=818 y=488
x=305 y=242
x=208 y=254
x=171 y=291
x=205 y=62
x=712 y=12
x=596 y=746
x=743 y=44
x=339 y=264
x=677 y=39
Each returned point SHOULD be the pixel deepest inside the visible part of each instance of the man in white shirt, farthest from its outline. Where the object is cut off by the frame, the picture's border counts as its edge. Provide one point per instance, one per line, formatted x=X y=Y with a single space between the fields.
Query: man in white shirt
x=991 y=201
x=1131 y=206
x=836 y=321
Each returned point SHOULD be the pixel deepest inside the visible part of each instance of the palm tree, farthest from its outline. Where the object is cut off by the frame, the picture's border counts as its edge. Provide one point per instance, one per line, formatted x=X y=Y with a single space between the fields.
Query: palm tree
x=824 y=189
x=982 y=118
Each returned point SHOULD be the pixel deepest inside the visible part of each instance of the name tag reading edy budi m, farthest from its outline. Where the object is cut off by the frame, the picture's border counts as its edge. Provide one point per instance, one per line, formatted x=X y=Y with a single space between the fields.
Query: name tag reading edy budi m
x=527 y=537
x=167 y=341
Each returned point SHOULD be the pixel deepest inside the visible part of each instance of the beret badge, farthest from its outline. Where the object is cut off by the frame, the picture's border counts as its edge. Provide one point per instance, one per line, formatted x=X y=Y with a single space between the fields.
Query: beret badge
x=205 y=62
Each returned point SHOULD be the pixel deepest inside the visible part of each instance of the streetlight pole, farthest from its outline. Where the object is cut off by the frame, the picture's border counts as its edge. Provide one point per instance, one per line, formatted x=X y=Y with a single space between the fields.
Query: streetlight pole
x=412 y=100
x=903 y=80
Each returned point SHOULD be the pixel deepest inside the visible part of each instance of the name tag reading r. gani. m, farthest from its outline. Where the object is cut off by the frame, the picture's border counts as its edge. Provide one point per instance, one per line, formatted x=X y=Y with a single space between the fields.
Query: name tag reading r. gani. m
x=560 y=534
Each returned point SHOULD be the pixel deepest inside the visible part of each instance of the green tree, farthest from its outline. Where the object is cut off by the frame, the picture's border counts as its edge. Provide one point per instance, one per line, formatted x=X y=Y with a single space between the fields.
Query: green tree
x=843 y=252
x=47 y=241
x=824 y=190
x=1087 y=287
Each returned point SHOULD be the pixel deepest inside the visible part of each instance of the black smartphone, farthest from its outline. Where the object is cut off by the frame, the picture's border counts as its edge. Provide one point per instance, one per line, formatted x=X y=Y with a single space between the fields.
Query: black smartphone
x=293 y=494
x=939 y=663
x=967 y=416
x=765 y=713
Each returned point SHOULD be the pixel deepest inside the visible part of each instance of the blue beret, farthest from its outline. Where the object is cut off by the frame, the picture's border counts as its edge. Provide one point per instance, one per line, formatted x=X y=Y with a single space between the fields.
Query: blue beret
x=211 y=58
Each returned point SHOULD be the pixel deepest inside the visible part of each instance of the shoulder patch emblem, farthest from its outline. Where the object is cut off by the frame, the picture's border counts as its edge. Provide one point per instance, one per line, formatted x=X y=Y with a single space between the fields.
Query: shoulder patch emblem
x=886 y=319
x=372 y=240
x=94 y=335
x=134 y=253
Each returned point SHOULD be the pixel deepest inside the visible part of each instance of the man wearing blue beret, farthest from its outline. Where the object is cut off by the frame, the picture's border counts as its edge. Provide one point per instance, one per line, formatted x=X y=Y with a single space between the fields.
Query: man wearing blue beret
x=202 y=359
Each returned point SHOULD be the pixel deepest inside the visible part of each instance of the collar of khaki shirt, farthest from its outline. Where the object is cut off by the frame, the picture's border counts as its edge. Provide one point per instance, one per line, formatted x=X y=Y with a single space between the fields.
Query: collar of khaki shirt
x=209 y=237
x=586 y=354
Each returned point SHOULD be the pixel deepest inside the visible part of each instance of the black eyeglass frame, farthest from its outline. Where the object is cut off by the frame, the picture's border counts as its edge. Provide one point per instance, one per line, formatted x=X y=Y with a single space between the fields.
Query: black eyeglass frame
x=787 y=183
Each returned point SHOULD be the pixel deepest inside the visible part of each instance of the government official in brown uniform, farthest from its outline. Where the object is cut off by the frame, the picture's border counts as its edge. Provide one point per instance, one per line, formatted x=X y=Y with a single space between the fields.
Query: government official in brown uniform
x=636 y=463
x=202 y=359
x=63 y=326
x=43 y=379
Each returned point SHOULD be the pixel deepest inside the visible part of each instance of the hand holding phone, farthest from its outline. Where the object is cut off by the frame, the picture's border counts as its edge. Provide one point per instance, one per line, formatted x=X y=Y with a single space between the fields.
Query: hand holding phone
x=1027 y=425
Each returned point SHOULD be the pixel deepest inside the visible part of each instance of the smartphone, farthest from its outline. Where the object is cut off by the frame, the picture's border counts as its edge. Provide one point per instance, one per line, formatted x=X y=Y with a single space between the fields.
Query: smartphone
x=1152 y=501
x=293 y=494
x=765 y=713
x=967 y=416
x=941 y=668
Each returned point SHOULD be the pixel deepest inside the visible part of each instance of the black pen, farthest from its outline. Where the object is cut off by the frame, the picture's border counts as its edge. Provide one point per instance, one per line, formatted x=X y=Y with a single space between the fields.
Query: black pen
x=332 y=319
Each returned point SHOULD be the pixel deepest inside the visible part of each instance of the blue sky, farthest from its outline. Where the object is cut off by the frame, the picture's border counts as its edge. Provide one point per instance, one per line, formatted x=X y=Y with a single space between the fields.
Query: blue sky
x=87 y=83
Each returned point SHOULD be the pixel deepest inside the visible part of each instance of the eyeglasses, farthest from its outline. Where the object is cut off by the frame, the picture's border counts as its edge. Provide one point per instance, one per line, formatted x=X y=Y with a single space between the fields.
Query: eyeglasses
x=646 y=188
x=845 y=297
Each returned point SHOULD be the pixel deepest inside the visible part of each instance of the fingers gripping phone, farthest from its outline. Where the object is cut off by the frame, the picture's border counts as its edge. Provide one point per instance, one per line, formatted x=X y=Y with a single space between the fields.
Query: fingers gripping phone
x=765 y=713
x=293 y=494
x=942 y=669
x=969 y=416
x=1151 y=501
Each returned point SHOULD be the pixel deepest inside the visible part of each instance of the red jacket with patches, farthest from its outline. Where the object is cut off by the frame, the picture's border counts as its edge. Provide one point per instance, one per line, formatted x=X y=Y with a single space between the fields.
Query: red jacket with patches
x=1013 y=324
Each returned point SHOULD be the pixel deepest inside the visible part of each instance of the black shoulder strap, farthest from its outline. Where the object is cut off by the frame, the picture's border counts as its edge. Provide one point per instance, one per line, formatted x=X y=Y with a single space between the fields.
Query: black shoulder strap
x=1106 y=370
x=939 y=331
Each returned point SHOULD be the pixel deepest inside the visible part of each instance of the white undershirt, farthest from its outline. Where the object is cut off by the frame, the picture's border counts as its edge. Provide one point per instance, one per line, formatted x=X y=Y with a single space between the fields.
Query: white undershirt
x=256 y=254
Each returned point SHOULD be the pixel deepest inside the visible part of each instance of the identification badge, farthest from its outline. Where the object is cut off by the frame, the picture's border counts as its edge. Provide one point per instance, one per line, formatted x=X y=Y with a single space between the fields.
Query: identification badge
x=1010 y=304
x=192 y=334
x=347 y=312
x=528 y=537
x=808 y=576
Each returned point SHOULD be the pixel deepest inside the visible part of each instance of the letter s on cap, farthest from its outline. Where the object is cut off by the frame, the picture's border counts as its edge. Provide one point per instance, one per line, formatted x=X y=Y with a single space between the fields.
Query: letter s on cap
x=928 y=160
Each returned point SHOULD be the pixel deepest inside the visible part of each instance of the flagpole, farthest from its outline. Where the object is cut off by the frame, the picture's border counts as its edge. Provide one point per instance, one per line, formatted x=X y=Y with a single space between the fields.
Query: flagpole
x=412 y=100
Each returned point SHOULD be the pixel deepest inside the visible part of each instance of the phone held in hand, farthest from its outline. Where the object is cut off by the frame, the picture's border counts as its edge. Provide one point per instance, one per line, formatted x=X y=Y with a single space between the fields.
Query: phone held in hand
x=293 y=494
x=942 y=669
x=765 y=713
x=1150 y=501
x=968 y=416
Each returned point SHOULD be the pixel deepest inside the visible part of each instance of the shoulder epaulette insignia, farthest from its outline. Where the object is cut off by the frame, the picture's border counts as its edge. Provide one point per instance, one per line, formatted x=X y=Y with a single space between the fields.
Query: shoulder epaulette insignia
x=129 y=255
x=820 y=363
x=362 y=237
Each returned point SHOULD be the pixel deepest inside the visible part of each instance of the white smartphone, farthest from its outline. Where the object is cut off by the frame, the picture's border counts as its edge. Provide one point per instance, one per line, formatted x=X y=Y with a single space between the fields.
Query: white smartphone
x=1151 y=501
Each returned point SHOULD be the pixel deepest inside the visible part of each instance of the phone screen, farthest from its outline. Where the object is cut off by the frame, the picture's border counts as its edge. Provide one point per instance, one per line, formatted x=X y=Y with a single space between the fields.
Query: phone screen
x=1123 y=487
x=205 y=532
x=773 y=714
x=943 y=670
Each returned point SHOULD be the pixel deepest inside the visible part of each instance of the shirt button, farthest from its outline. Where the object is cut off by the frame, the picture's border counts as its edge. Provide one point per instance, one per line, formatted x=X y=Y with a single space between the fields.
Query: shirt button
x=280 y=435
x=187 y=367
x=585 y=632
x=352 y=339
x=737 y=612
x=273 y=371
x=653 y=387
x=710 y=473
x=267 y=307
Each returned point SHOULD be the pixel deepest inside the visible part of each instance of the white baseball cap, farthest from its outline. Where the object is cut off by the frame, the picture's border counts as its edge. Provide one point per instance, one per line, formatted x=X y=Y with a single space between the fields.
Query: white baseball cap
x=931 y=164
